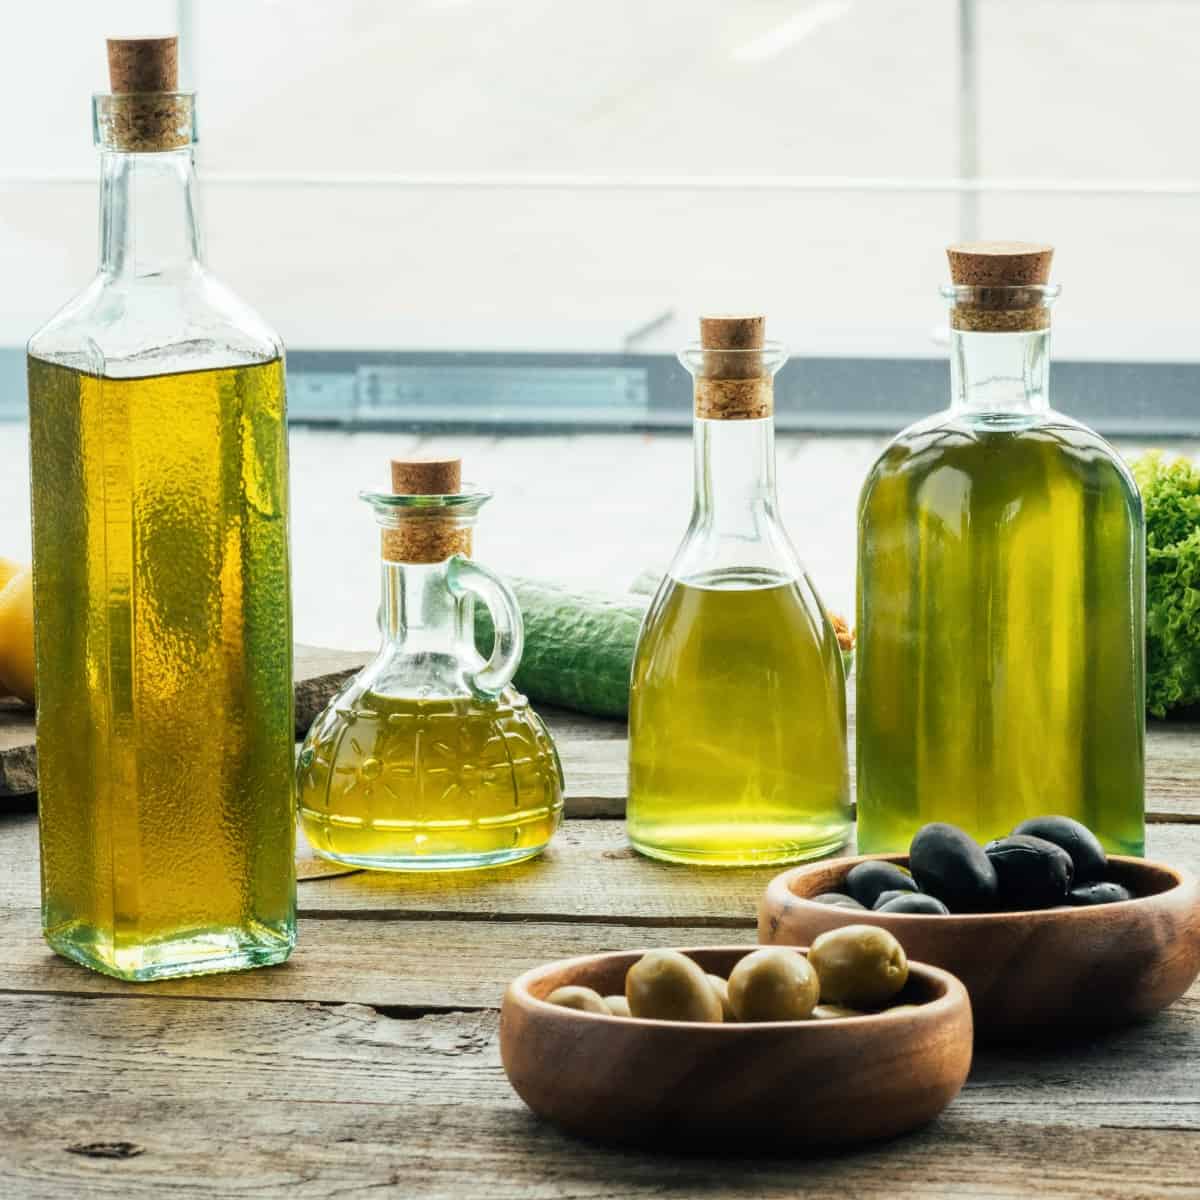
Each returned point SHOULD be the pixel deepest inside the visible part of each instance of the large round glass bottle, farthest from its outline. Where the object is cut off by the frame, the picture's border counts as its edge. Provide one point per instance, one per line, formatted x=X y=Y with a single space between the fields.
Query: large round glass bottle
x=1001 y=593
x=737 y=711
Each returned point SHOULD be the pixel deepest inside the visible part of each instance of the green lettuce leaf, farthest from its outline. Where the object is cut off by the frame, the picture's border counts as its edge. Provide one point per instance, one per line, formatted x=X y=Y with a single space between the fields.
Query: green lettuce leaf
x=1171 y=495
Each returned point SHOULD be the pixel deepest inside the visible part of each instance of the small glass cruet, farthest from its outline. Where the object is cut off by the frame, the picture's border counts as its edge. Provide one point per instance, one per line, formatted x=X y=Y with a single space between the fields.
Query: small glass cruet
x=428 y=759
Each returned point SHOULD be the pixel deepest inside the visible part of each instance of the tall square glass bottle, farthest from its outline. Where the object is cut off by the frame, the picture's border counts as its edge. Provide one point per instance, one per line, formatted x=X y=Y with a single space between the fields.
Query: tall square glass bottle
x=161 y=584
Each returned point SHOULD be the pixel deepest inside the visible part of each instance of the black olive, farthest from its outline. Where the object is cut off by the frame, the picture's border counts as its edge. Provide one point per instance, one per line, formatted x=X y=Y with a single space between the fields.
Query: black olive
x=1077 y=840
x=1033 y=872
x=913 y=902
x=1098 y=893
x=891 y=894
x=836 y=900
x=865 y=881
x=948 y=864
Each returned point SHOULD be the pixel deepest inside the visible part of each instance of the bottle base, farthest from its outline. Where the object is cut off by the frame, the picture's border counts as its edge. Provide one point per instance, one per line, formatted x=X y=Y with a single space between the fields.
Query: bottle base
x=203 y=952
x=428 y=863
x=709 y=850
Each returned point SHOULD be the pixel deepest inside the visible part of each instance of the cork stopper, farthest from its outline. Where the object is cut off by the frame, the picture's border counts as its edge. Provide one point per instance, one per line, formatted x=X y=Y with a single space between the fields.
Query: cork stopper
x=733 y=332
x=429 y=535
x=1008 y=278
x=146 y=64
x=426 y=476
x=145 y=112
x=733 y=383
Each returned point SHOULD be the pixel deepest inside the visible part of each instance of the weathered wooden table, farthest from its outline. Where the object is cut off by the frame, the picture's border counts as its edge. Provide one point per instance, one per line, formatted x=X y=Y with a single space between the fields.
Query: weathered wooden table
x=369 y=1063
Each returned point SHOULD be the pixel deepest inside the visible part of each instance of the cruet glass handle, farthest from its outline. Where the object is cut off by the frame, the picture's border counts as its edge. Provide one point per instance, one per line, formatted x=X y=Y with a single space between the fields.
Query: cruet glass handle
x=468 y=578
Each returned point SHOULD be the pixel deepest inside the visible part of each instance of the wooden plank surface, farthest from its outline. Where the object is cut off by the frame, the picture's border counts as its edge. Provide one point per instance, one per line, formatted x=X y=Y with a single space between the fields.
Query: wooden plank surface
x=18 y=756
x=370 y=1062
x=1129 y=1077
x=260 y=1099
x=589 y=874
x=209 y=1088
x=418 y=966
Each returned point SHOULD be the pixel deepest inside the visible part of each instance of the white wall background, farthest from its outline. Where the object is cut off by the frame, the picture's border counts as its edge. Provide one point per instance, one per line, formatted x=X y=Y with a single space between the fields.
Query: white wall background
x=316 y=117
x=376 y=178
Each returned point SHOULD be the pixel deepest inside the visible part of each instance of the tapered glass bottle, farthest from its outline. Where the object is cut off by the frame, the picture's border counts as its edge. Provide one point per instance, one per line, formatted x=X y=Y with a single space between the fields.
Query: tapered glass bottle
x=160 y=558
x=428 y=760
x=1001 y=626
x=737 y=718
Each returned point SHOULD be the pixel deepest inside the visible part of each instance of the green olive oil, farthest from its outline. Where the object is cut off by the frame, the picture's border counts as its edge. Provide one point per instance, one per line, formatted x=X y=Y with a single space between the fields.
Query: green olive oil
x=419 y=784
x=737 y=703
x=1000 y=670
x=165 y=728
x=737 y=723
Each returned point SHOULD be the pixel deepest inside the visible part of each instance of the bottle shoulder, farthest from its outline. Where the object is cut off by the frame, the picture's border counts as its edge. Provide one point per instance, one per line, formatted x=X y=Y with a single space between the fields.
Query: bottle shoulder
x=949 y=446
x=123 y=326
x=747 y=599
x=759 y=546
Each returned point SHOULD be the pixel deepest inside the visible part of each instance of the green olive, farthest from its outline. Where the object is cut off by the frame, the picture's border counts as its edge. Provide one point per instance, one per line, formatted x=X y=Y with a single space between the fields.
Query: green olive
x=861 y=966
x=665 y=985
x=721 y=987
x=583 y=999
x=618 y=1006
x=832 y=1012
x=773 y=984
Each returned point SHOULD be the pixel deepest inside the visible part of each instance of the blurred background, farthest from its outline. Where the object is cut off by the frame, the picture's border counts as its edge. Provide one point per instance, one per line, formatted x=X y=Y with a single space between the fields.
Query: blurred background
x=485 y=226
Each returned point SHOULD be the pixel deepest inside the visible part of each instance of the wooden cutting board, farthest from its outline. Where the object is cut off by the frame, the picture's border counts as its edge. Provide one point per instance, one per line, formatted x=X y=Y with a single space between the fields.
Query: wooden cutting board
x=319 y=673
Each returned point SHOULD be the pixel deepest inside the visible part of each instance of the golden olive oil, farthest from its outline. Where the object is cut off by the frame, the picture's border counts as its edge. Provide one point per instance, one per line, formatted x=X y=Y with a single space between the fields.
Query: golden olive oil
x=163 y=620
x=1000 y=607
x=737 y=723
x=394 y=782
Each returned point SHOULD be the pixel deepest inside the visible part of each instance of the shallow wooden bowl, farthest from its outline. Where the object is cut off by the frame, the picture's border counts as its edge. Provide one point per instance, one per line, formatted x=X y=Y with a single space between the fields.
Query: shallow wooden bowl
x=784 y=1085
x=1052 y=971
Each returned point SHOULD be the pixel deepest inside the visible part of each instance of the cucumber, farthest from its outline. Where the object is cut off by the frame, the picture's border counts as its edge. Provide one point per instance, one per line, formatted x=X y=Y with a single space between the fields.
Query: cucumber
x=578 y=646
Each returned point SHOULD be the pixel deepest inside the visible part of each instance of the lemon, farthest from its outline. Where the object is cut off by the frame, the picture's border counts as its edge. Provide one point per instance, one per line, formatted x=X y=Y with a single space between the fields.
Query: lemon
x=16 y=635
x=8 y=568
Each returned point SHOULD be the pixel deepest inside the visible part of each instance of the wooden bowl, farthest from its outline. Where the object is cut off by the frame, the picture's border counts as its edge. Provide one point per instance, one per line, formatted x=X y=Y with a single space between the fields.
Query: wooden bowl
x=1054 y=970
x=784 y=1085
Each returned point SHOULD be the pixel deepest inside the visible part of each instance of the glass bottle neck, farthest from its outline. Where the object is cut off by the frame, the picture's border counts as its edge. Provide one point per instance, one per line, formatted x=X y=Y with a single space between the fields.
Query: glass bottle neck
x=1000 y=373
x=734 y=475
x=149 y=225
x=419 y=609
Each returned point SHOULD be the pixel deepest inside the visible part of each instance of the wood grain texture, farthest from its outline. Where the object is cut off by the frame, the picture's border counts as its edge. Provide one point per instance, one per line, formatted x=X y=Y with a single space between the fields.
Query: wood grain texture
x=318 y=674
x=363 y=1071
x=590 y=869
x=691 y=1086
x=589 y=874
x=416 y=966
x=222 y=1096
x=314 y=1100
x=18 y=758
